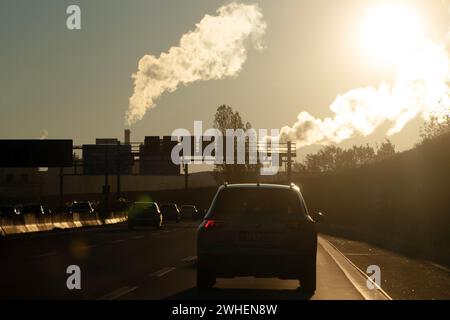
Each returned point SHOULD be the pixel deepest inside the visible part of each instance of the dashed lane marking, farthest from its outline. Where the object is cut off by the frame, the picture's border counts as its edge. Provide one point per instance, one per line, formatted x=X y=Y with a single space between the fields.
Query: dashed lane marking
x=43 y=255
x=118 y=241
x=118 y=293
x=89 y=246
x=189 y=259
x=162 y=272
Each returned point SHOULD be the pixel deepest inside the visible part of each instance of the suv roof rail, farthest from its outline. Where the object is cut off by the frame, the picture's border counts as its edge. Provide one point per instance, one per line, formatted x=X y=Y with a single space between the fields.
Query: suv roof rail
x=292 y=185
x=225 y=183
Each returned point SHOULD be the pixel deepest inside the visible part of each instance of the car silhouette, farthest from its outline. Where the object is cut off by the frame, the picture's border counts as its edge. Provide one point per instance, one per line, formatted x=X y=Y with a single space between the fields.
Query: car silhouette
x=189 y=211
x=9 y=211
x=37 y=209
x=259 y=230
x=170 y=212
x=83 y=207
x=144 y=214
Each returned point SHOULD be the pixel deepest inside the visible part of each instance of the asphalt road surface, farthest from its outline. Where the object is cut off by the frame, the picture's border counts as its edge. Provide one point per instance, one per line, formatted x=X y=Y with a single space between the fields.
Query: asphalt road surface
x=148 y=264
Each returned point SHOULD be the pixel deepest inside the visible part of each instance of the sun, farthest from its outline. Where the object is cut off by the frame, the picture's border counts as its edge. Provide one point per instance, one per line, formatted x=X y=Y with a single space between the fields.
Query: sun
x=390 y=32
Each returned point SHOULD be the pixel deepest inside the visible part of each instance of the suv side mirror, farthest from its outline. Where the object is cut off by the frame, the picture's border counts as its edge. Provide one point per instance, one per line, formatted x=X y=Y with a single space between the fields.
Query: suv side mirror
x=318 y=217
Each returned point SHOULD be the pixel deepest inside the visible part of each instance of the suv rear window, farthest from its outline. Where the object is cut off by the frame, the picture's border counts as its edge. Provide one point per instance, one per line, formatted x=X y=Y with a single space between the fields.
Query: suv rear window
x=32 y=209
x=81 y=206
x=7 y=210
x=169 y=208
x=187 y=209
x=247 y=202
x=143 y=208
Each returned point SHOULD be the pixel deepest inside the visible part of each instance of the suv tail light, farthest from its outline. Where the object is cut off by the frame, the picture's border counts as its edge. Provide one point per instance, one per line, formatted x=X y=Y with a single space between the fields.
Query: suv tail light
x=209 y=224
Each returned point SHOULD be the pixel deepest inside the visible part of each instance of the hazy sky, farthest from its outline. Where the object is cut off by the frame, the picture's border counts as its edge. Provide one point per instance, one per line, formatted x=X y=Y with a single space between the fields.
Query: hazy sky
x=76 y=84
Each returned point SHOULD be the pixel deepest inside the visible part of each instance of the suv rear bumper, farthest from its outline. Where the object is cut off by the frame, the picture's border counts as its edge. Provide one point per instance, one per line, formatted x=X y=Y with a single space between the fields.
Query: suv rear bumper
x=144 y=222
x=272 y=265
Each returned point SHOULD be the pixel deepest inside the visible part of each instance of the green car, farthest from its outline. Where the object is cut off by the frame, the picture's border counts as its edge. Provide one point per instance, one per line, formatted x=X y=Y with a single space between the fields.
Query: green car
x=144 y=214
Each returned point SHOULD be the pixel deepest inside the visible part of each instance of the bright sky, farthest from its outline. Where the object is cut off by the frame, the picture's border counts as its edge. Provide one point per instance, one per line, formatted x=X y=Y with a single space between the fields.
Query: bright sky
x=76 y=84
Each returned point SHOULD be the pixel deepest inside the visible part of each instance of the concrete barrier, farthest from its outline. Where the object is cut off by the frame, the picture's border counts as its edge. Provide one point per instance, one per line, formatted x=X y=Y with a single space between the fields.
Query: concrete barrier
x=12 y=225
x=31 y=223
x=63 y=221
x=89 y=219
x=43 y=222
x=117 y=217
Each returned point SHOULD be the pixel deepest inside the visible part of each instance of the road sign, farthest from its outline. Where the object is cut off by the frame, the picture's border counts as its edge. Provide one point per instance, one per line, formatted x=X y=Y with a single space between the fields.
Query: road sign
x=36 y=153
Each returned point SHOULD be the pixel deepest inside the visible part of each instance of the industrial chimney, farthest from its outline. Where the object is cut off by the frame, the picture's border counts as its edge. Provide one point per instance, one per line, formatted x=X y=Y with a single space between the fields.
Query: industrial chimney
x=127 y=136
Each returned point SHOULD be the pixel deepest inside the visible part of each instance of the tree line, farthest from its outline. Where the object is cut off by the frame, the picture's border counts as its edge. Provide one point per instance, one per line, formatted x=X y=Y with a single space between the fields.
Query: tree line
x=332 y=158
x=328 y=158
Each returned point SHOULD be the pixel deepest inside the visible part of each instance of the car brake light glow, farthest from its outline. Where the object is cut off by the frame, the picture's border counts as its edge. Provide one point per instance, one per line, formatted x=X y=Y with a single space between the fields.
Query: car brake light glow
x=210 y=223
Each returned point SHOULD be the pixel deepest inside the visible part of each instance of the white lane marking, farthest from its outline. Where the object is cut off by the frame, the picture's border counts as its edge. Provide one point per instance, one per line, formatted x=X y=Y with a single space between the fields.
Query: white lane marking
x=165 y=231
x=162 y=272
x=118 y=241
x=43 y=255
x=360 y=254
x=88 y=246
x=155 y=233
x=189 y=259
x=139 y=237
x=118 y=293
x=355 y=275
x=443 y=268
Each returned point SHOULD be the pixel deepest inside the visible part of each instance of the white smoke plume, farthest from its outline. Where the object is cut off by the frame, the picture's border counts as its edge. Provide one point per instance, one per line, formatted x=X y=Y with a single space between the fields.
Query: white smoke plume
x=420 y=89
x=214 y=50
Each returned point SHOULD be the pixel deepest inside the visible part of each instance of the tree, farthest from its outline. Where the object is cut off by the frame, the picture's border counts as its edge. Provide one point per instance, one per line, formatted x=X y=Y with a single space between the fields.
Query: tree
x=300 y=167
x=386 y=150
x=225 y=118
x=434 y=127
x=363 y=155
x=324 y=160
x=331 y=158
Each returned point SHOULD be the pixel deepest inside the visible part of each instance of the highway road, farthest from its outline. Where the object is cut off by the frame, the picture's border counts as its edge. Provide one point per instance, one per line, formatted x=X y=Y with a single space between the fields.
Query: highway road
x=149 y=264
